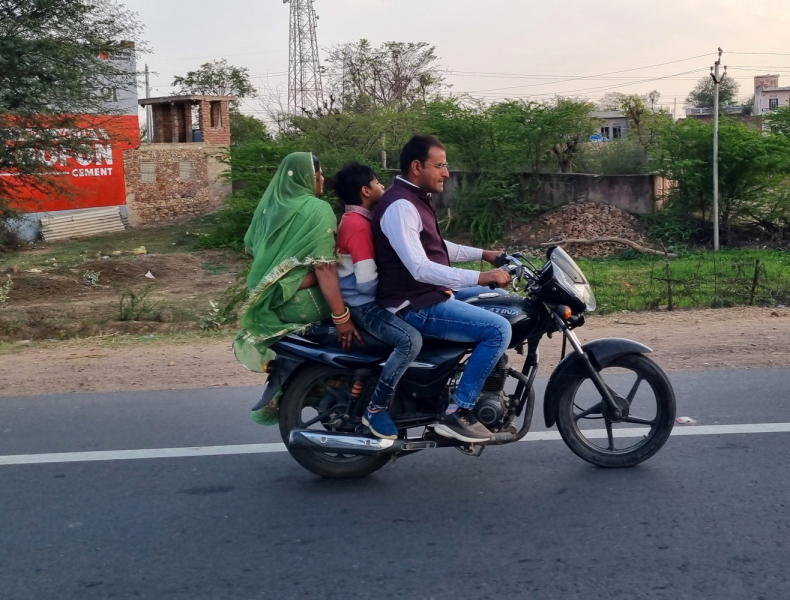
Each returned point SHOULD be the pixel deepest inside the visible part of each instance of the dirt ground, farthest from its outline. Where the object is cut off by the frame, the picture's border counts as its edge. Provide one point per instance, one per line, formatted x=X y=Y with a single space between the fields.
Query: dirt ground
x=54 y=301
x=687 y=340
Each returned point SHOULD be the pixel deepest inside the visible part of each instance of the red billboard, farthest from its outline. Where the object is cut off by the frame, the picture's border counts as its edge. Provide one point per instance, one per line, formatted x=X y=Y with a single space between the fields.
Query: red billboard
x=93 y=177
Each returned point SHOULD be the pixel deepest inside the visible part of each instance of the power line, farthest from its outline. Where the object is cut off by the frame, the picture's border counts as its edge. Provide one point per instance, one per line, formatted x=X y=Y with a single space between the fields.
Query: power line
x=603 y=88
x=598 y=75
x=763 y=53
x=512 y=76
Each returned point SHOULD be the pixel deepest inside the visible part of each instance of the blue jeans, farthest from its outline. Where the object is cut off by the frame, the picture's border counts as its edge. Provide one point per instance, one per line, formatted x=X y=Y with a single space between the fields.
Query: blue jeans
x=407 y=341
x=461 y=322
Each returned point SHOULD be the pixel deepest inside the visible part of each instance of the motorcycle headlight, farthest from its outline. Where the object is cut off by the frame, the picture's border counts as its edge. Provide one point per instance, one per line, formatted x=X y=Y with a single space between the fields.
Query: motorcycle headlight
x=570 y=278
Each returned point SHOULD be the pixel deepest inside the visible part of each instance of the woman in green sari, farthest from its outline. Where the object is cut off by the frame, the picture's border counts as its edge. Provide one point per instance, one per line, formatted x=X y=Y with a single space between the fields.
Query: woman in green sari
x=293 y=279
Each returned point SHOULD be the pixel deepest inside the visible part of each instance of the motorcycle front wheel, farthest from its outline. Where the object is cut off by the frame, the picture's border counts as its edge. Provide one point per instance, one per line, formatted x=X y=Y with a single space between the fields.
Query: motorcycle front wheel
x=316 y=398
x=644 y=395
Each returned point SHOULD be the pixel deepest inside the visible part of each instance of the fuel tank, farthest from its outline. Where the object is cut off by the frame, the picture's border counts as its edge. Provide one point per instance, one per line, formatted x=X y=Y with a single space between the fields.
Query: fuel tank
x=522 y=315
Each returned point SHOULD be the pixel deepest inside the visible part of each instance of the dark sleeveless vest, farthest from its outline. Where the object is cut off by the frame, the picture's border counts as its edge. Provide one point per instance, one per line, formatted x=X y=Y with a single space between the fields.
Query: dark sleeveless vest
x=396 y=285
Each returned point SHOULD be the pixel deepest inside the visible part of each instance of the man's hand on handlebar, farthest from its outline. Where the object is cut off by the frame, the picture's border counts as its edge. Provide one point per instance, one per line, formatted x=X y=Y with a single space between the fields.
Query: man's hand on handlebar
x=494 y=278
x=492 y=257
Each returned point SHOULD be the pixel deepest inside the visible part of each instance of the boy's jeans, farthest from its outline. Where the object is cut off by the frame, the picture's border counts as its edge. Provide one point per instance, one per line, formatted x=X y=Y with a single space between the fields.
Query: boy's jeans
x=407 y=341
x=461 y=322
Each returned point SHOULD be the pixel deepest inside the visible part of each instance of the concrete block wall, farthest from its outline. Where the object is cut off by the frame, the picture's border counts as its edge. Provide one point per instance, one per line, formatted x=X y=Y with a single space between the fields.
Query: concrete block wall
x=631 y=193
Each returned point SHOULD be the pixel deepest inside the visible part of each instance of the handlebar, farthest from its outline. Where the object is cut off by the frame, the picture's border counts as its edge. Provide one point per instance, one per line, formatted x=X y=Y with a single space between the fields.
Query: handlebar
x=516 y=268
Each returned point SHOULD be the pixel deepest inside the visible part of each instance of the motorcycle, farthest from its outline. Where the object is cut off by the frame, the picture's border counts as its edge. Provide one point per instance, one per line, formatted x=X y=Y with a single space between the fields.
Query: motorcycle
x=323 y=390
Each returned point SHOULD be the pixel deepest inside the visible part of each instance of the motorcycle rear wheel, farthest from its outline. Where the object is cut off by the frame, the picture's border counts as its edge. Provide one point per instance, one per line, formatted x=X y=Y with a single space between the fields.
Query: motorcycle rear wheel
x=299 y=401
x=581 y=441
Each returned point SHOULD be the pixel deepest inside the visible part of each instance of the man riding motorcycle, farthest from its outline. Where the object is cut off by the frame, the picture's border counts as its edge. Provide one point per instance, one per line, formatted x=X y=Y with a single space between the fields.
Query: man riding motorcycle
x=416 y=280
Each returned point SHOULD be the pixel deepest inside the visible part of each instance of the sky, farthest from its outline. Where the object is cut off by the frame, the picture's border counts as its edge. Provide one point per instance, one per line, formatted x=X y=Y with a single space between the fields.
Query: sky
x=491 y=49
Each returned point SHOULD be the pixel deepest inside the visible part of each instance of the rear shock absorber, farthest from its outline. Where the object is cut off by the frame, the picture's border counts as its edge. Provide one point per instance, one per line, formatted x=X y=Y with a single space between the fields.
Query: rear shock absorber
x=357 y=388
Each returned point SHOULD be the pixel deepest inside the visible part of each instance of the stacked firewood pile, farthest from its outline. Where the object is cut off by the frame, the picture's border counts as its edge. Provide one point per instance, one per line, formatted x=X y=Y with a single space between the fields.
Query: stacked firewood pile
x=588 y=221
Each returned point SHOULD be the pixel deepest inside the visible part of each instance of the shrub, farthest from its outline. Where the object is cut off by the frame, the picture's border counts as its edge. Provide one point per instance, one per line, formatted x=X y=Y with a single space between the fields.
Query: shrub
x=135 y=305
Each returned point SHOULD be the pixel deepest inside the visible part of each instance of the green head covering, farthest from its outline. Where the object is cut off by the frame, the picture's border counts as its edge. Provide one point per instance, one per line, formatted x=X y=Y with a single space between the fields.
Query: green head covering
x=291 y=231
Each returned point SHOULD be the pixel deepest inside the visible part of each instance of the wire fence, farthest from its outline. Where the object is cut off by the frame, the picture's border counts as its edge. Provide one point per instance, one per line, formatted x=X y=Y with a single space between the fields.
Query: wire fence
x=700 y=280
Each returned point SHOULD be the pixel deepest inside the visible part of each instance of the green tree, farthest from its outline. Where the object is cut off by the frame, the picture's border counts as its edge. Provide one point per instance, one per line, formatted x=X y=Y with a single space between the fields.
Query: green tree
x=58 y=59
x=702 y=94
x=216 y=78
x=341 y=137
x=396 y=74
x=471 y=131
x=753 y=170
x=778 y=120
x=247 y=129
x=645 y=117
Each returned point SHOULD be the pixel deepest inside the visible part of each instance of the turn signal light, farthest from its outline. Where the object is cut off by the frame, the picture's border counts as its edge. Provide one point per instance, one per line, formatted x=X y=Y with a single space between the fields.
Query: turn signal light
x=564 y=311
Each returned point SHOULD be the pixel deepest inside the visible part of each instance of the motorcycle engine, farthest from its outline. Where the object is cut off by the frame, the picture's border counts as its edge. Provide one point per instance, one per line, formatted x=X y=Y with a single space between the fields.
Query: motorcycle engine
x=492 y=406
x=490 y=410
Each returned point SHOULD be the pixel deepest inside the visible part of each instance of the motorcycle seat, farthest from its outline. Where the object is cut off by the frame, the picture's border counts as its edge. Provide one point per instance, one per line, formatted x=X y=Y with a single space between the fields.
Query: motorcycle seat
x=325 y=334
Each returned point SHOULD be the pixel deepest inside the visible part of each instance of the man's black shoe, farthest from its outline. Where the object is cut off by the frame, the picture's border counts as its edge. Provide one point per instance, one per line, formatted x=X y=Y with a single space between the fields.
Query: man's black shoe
x=463 y=425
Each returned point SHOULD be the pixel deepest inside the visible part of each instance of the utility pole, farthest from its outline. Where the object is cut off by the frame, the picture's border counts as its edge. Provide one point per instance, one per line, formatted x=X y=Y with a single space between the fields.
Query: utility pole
x=148 y=124
x=716 y=82
x=675 y=110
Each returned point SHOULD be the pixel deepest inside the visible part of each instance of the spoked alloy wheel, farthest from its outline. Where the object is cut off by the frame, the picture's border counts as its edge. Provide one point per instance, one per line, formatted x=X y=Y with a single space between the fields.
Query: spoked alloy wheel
x=646 y=400
x=318 y=399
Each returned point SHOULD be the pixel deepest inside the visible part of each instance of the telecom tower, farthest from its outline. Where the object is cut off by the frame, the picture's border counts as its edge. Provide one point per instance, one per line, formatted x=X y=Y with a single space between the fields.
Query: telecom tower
x=305 y=92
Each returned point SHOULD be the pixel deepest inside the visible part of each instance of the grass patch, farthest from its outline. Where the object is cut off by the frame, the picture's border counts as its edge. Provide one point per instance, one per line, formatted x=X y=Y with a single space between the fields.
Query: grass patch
x=215 y=268
x=697 y=280
x=180 y=237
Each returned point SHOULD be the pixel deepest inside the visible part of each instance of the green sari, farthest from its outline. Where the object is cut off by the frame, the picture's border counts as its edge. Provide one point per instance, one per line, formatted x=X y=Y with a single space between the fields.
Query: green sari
x=291 y=232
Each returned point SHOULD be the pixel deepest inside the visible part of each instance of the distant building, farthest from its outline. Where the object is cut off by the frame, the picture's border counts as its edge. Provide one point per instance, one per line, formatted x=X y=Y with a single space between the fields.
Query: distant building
x=182 y=173
x=768 y=95
x=614 y=124
x=706 y=112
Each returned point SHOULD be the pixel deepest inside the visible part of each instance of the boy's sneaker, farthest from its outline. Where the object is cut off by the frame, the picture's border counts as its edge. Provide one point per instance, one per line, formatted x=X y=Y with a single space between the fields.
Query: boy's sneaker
x=463 y=425
x=380 y=424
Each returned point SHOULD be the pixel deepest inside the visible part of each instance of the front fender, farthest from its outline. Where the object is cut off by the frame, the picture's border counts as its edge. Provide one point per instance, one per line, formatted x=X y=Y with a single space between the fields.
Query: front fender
x=601 y=352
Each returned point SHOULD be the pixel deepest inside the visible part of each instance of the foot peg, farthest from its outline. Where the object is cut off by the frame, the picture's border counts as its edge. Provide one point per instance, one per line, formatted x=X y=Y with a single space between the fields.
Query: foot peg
x=471 y=449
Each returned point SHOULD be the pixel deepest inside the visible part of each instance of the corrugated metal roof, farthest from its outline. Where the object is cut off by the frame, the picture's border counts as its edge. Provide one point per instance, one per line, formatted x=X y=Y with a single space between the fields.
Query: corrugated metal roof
x=94 y=221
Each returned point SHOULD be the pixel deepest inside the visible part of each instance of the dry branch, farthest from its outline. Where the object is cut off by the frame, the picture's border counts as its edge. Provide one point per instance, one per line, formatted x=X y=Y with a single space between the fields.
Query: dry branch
x=614 y=240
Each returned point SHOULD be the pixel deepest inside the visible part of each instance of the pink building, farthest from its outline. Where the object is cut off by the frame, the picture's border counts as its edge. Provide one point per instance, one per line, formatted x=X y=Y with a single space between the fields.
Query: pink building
x=768 y=95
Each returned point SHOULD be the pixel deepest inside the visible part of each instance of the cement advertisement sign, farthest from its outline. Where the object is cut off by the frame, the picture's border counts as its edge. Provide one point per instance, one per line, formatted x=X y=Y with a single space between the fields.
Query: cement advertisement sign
x=94 y=178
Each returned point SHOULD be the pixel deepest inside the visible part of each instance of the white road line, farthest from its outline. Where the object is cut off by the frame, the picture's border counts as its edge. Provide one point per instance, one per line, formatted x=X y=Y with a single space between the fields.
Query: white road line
x=538 y=436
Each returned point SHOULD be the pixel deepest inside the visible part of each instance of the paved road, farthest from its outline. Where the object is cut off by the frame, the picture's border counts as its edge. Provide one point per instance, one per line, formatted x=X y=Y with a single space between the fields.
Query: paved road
x=706 y=518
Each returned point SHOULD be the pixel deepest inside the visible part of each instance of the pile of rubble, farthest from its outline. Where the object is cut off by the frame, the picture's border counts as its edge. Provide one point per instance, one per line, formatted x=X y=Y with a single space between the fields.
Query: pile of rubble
x=587 y=220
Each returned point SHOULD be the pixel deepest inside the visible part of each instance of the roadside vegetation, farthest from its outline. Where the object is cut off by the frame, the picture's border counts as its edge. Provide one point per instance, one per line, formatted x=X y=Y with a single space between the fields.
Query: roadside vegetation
x=188 y=278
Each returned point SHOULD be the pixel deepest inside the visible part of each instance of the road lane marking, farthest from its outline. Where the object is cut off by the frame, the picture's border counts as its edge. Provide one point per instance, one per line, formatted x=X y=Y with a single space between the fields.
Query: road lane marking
x=65 y=457
x=537 y=436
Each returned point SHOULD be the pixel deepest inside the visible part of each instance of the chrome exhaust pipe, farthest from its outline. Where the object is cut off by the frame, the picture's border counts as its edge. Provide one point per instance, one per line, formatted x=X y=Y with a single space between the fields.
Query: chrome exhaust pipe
x=343 y=443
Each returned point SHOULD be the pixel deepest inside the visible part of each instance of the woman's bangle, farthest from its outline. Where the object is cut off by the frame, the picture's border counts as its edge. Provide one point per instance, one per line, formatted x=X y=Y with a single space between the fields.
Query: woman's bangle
x=340 y=316
x=345 y=319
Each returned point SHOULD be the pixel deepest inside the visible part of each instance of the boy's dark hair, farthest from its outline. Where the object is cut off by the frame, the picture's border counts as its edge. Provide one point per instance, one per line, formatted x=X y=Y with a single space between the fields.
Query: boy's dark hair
x=316 y=163
x=417 y=148
x=349 y=181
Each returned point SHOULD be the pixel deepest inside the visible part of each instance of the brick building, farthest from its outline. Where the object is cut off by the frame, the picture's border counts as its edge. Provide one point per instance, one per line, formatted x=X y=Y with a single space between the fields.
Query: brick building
x=181 y=172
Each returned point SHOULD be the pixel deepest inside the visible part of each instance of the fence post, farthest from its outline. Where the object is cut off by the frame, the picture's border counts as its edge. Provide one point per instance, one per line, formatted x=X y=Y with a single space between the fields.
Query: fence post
x=669 y=278
x=755 y=279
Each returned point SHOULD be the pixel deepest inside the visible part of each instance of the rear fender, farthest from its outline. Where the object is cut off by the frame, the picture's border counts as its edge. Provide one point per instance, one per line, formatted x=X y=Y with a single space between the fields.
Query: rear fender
x=284 y=366
x=291 y=355
x=602 y=353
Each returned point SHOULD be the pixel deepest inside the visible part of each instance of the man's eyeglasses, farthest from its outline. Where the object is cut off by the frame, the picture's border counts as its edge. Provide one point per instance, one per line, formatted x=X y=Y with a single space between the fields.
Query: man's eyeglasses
x=440 y=166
